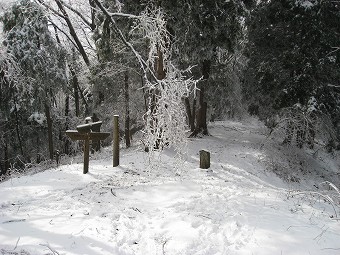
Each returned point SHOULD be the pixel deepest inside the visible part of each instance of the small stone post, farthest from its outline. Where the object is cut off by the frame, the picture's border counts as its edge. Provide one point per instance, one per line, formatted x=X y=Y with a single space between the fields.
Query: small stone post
x=204 y=159
x=115 y=140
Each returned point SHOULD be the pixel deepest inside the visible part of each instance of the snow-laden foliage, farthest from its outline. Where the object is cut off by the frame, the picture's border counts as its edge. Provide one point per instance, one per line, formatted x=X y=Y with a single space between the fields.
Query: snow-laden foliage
x=11 y=83
x=306 y=3
x=32 y=72
x=166 y=117
x=29 y=41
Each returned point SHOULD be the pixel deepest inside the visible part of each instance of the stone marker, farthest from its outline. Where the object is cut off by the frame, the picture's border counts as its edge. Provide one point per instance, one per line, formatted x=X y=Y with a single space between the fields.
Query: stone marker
x=204 y=159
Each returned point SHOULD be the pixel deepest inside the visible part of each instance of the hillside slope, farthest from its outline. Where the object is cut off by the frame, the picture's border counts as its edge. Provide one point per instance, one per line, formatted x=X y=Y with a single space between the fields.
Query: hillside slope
x=258 y=197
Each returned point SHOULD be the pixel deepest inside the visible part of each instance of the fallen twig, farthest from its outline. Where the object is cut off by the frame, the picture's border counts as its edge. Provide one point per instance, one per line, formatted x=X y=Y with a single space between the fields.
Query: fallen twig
x=12 y=221
x=113 y=193
x=16 y=245
x=54 y=252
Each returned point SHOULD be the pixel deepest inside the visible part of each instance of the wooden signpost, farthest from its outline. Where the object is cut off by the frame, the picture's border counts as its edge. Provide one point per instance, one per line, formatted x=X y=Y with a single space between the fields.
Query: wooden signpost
x=84 y=132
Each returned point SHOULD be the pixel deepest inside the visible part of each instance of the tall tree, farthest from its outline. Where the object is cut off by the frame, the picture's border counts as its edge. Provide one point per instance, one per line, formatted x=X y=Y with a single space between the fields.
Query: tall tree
x=293 y=62
x=208 y=34
x=41 y=59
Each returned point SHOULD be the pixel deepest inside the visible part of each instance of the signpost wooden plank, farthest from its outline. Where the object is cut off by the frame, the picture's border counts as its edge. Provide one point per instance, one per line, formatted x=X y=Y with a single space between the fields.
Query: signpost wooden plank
x=75 y=135
x=84 y=132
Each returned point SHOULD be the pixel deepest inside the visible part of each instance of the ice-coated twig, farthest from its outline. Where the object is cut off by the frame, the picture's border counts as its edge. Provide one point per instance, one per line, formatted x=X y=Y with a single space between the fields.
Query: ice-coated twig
x=326 y=197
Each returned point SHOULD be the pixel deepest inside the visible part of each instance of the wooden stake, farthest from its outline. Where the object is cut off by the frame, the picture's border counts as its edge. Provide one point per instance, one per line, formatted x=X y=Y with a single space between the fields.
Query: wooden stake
x=86 y=154
x=115 y=140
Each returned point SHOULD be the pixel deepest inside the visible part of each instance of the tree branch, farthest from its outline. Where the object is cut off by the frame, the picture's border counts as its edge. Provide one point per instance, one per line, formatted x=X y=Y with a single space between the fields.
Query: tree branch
x=141 y=61
x=79 y=14
x=51 y=9
x=69 y=38
x=73 y=32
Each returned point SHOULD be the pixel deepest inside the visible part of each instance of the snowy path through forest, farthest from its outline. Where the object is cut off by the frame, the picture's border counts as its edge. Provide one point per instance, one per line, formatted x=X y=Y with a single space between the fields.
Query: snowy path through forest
x=238 y=206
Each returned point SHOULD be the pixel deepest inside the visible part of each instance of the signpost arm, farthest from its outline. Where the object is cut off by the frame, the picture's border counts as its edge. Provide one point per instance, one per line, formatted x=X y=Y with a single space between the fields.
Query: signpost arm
x=115 y=140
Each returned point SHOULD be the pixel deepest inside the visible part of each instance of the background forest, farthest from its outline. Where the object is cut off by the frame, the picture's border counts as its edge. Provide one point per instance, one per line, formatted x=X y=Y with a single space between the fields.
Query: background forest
x=165 y=66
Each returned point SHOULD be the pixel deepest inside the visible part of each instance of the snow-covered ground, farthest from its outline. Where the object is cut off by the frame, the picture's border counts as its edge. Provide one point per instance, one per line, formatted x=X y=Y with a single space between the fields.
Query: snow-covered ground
x=238 y=206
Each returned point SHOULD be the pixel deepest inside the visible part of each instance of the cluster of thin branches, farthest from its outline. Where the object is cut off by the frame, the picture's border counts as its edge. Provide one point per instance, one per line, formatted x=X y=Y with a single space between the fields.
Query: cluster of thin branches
x=330 y=196
x=165 y=118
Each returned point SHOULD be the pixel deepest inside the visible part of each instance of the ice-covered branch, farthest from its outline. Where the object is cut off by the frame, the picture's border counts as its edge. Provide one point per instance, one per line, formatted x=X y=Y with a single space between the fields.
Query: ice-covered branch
x=141 y=61
x=88 y=23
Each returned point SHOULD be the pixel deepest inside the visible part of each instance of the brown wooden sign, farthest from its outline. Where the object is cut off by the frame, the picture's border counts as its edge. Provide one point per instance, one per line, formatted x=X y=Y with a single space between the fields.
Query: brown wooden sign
x=96 y=136
x=86 y=136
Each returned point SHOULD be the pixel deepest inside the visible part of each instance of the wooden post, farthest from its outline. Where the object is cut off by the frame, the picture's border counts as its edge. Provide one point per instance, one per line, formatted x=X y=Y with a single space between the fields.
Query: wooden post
x=204 y=159
x=115 y=140
x=86 y=154
x=84 y=133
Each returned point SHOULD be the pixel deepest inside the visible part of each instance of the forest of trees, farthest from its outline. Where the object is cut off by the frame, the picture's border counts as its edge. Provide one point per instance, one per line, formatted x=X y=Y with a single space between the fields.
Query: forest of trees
x=165 y=66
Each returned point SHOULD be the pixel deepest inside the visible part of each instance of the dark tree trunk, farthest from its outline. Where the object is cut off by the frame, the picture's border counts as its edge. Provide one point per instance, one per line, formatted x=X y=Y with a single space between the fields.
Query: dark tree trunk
x=49 y=130
x=189 y=114
x=17 y=130
x=193 y=115
x=73 y=32
x=201 y=118
x=67 y=107
x=6 y=161
x=67 y=112
x=127 y=109
x=93 y=14
x=75 y=91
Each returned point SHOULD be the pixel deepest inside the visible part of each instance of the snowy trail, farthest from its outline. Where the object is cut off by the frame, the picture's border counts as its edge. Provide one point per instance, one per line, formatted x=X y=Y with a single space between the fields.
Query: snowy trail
x=235 y=207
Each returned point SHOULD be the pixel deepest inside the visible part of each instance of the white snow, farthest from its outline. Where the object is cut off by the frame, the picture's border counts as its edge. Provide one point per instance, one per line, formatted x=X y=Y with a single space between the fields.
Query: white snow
x=238 y=206
x=37 y=117
x=306 y=4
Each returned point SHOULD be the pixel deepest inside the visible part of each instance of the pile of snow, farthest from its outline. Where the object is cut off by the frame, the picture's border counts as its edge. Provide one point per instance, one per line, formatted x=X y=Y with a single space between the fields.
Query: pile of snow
x=306 y=3
x=37 y=117
x=237 y=206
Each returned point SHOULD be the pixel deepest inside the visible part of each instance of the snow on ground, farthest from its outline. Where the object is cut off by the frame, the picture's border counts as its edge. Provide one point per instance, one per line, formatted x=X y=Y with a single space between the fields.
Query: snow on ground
x=238 y=206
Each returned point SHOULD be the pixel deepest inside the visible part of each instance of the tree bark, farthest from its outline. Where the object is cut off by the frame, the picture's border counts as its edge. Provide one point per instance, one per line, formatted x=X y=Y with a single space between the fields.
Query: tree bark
x=17 y=129
x=75 y=91
x=93 y=14
x=67 y=111
x=49 y=130
x=127 y=109
x=193 y=115
x=6 y=161
x=201 y=118
x=189 y=114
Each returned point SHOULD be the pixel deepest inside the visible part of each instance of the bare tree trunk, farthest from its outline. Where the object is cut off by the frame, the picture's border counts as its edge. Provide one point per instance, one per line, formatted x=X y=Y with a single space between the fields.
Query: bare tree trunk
x=17 y=129
x=75 y=91
x=93 y=14
x=67 y=111
x=189 y=114
x=6 y=163
x=49 y=130
x=193 y=115
x=73 y=32
x=201 y=118
x=127 y=109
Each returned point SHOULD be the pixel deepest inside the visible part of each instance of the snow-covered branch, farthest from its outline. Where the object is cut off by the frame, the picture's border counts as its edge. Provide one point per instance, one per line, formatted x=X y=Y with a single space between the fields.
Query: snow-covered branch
x=88 y=23
x=141 y=61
